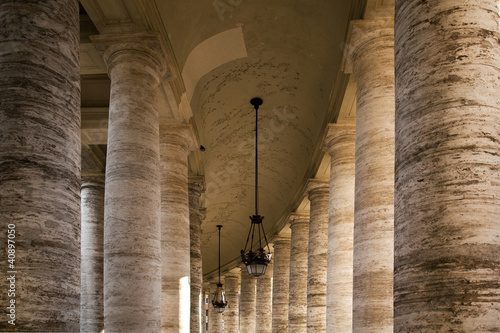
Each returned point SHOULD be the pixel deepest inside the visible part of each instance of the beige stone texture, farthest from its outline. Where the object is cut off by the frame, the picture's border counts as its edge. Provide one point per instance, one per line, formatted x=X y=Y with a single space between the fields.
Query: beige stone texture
x=175 y=145
x=232 y=311
x=247 y=301
x=40 y=164
x=281 y=281
x=374 y=192
x=447 y=243
x=318 y=193
x=132 y=252
x=92 y=251
x=196 y=186
x=340 y=145
x=264 y=300
x=297 y=309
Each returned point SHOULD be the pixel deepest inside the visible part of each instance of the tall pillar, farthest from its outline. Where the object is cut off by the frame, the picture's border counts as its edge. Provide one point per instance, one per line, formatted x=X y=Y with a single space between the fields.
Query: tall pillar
x=374 y=193
x=264 y=300
x=297 y=309
x=281 y=280
x=215 y=324
x=175 y=143
x=232 y=311
x=92 y=266
x=316 y=263
x=132 y=197
x=247 y=301
x=340 y=144
x=196 y=215
x=447 y=210
x=205 y=293
x=40 y=165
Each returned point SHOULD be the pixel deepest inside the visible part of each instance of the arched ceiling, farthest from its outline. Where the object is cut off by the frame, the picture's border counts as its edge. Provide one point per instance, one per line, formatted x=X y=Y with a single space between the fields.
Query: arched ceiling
x=223 y=53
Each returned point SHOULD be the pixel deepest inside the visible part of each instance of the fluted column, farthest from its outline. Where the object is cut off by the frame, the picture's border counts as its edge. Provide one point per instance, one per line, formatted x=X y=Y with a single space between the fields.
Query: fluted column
x=215 y=324
x=196 y=215
x=374 y=193
x=175 y=142
x=92 y=266
x=447 y=240
x=40 y=164
x=297 y=310
x=340 y=145
x=281 y=280
x=247 y=301
x=132 y=198
x=232 y=311
x=264 y=300
x=318 y=243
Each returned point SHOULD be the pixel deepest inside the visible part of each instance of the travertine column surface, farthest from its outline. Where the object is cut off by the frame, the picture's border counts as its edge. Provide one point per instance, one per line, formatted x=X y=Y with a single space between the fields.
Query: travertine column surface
x=196 y=215
x=215 y=324
x=264 y=300
x=374 y=193
x=40 y=165
x=232 y=311
x=340 y=145
x=297 y=309
x=281 y=280
x=176 y=142
x=92 y=251
x=447 y=244
x=318 y=192
x=132 y=257
x=247 y=301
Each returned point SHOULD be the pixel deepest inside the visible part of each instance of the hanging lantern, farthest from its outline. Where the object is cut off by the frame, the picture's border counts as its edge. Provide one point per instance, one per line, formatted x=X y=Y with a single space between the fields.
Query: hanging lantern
x=219 y=301
x=256 y=261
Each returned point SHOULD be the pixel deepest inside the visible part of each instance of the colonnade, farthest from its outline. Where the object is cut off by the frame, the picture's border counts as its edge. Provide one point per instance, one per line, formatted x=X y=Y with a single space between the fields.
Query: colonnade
x=404 y=236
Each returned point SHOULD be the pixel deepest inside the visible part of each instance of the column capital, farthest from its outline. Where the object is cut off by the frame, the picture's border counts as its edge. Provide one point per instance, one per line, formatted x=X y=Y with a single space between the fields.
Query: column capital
x=338 y=134
x=362 y=32
x=181 y=134
x=317 y=186
x=298 y=218
x=281 y=239
x=140 y=48
x=93 y=180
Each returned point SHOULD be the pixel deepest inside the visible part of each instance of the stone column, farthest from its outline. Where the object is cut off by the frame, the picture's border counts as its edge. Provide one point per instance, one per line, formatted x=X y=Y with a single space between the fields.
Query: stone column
x=447 y=230
x=247 y=301
x=132 y=257
x=297 y=310
x=205 y=292
x=264 y=300
x=196 y=215
x=374 y=193
x=340 y=144
x=92 y=266
x=215 y=324
x=231 y=314
x=281 y=280
x=175 y=142
x=318 y=243
x=40 y=164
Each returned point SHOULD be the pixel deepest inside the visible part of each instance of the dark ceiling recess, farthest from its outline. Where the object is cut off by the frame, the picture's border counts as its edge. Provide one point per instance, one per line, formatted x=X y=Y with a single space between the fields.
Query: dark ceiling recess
x=87 y=27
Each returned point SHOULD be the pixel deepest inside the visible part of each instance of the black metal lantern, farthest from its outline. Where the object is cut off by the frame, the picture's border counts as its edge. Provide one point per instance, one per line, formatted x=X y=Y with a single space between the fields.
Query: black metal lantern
x=256 y=261
x=219 y=301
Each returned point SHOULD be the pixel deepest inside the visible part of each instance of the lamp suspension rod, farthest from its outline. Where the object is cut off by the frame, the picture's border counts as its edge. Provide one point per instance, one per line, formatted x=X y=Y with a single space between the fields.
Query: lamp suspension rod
x=256 y=161
x=219 y=227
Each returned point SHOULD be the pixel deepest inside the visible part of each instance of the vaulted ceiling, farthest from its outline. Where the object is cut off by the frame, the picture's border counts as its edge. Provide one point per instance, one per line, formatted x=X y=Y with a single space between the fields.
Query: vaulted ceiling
x=221 y=54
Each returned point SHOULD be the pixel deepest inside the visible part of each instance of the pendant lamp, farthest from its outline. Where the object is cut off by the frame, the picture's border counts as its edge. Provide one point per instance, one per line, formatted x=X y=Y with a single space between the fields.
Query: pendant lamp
x=219 y=300
x=256 y=261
